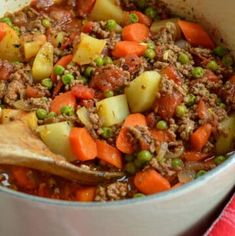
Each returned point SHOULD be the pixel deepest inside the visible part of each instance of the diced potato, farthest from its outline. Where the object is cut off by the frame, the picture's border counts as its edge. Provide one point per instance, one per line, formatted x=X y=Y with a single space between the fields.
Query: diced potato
x=9 y=115
x=82 y=114
x=56 y=137
x=172 y=23
x=88 y=49
x=31 y=48
x=10 y=44
x=142 y=91
x=43 y=62
x=226 y=141
x=113 y=110
x=107 y=9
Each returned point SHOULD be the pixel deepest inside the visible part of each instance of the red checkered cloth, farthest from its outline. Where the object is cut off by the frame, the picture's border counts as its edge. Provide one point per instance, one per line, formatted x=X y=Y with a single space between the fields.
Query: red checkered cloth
x=225 y=224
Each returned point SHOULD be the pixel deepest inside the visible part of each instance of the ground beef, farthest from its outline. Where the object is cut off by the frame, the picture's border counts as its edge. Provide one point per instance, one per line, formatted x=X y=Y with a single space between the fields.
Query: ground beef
x=109 y=78
x=227 y=93
x=132 y=64
x=6 y=69
x=115 y=191
x=3 y=87
x=185 y=128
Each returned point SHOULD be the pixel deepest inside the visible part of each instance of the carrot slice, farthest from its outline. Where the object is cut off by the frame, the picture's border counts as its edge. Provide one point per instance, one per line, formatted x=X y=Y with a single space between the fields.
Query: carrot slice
x=88 y=27
x=64 y=61
x=172 y=74
x=160 y=136
x=83 y=145
x=32 y=92
x=2 y=30
x=86 y=194
x=126 y=48
x=63 y=100
x=135 y=32
x=195 y=34
x=83 y=92
x=150 y=181
x=85 y=7
x=20 y=174
x=194 y=156
x=201 y=136
x=177 y=185
x=123 y=142
x=202 y=110
x=142 y=18
x=109 y=153
x=167 y=103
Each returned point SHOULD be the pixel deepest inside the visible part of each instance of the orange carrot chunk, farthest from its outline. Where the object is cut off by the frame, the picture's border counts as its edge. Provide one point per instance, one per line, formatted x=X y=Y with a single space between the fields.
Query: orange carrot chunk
x=109 y=154
x=195 y=34
x=20 y=174
x=172 y=74
x=142 y=18
x=202 y=110
x=160 y=136
x=194 y=156
x=150 y=181
x=65 y=99
x=135 y=32
x=82 y=144
x=85 y=7
x=86 y=194
x=126 y=48
x=201 y=136
x=123 y=142
x=64 y=61
x=2 y=30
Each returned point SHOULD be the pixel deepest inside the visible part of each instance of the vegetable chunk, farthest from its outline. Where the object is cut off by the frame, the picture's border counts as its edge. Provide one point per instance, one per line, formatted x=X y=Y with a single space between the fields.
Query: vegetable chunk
x=142 y=91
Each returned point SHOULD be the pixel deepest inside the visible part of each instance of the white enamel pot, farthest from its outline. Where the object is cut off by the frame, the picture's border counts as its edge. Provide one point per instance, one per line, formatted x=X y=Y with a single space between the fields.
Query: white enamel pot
x=183 y=211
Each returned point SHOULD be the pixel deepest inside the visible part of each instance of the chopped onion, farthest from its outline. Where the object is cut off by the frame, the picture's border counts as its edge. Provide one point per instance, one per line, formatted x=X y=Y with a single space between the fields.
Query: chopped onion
x=186 y=175
x=181 y=43
x=162 y=151
x=177 y=154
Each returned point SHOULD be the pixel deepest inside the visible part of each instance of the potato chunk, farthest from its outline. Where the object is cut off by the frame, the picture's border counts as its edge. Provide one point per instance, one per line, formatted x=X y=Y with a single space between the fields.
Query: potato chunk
x=142 y=91
x=88 y=49
x=9 y=44
x=226 y=141
x=82 y=114
x=43 y=62
x=107 y=9
x=56 y=137
x=113 y=110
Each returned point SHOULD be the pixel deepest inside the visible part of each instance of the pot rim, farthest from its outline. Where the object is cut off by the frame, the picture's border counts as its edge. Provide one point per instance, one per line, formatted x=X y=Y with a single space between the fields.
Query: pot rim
x=155 y=197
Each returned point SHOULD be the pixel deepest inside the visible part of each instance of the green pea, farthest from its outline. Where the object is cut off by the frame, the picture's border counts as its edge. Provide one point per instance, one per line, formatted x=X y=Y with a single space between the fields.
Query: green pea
x=67 y=79
x=106 y=132
x=151 y=12
x=99 y=61
x=111 y=25
x=138 y=195
x=227 y=60
x=47 y=83
x=181 y=111
x=107 y=60
x=141 y=3
x=89 y=71
x=183 y=58
x=83 y=79
x=67 y=110
x=51 y=115
x=220 y=51
x=41 y=114
x=130 y=168
x=129 y=157
x=190 y=100
x=144 y=156
x=133 y=18
x=200 y=173
x=46 y=23
x=108 y=93
x=197 y=72
x=219 y=159
x=212 y=65
x=151 y=44
x=176 y=163
x=162 y=125
x=150 y=54
x=59 y=70
x=7 y=20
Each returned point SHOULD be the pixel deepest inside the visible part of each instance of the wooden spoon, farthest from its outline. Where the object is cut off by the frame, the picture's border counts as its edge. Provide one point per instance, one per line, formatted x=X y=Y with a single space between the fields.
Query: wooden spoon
x=20 y=146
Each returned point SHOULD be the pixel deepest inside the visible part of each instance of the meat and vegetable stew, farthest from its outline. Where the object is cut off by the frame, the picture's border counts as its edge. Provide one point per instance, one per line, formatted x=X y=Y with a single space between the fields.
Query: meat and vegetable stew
x=118 y=86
